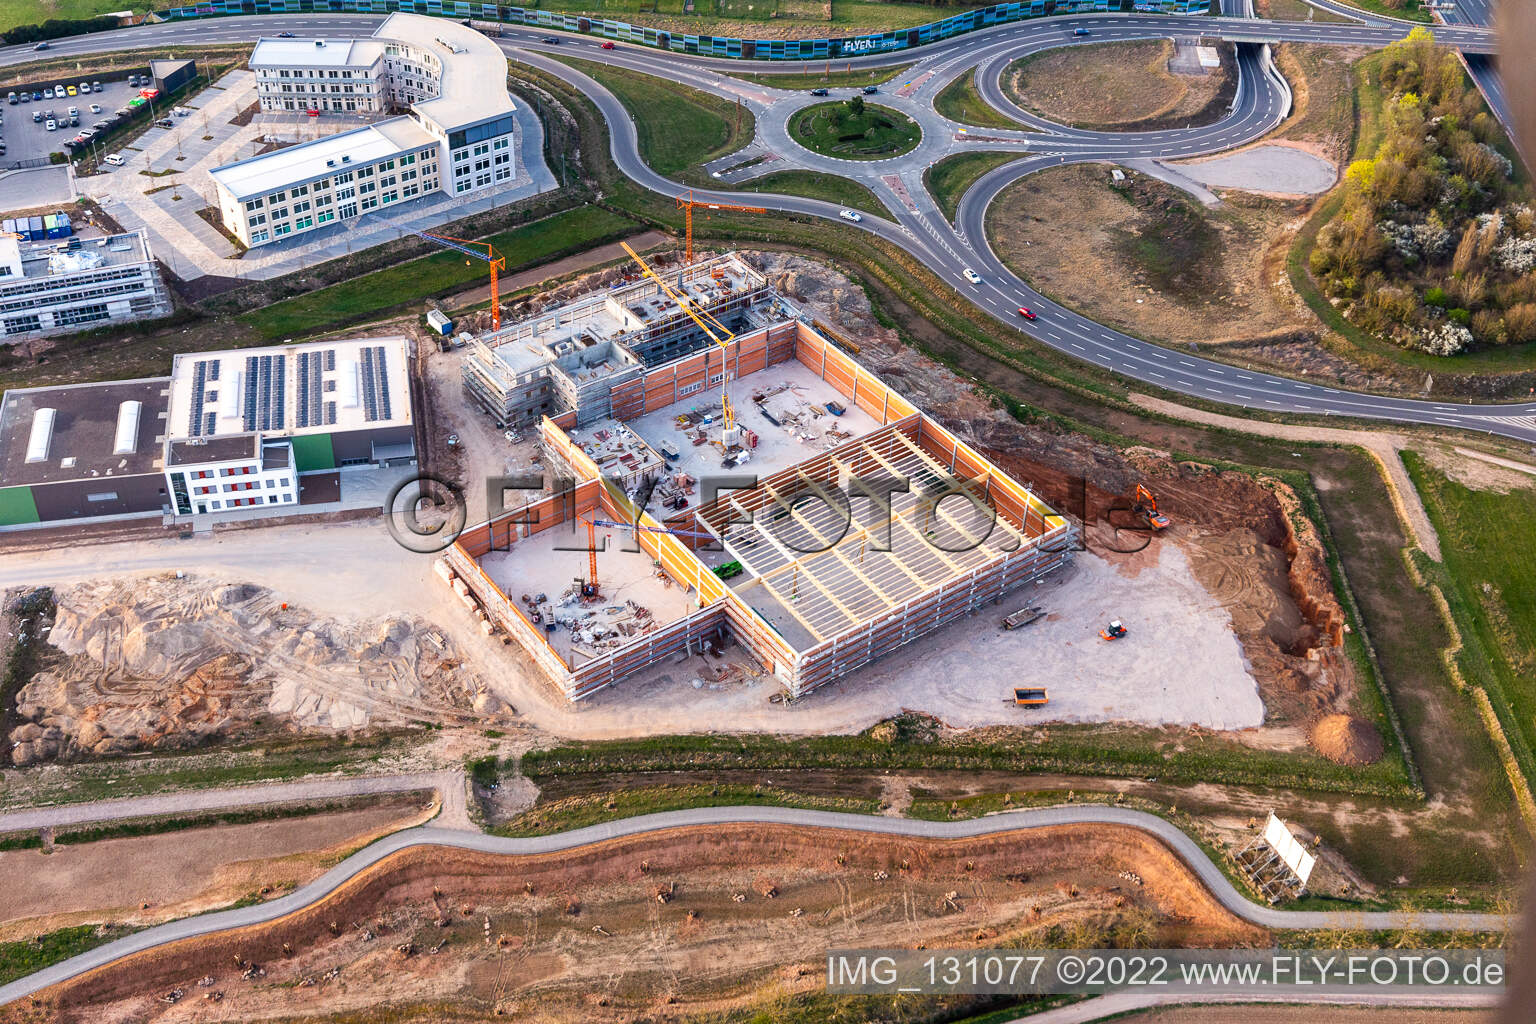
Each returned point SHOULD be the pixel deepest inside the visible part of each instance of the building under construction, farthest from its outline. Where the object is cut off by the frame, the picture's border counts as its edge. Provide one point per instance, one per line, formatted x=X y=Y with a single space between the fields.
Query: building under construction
x=796 y=505
x=570 y=359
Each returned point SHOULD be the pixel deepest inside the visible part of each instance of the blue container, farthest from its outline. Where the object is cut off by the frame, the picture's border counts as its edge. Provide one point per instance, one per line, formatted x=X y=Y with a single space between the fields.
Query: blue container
x=35 y=230
x=8 y=226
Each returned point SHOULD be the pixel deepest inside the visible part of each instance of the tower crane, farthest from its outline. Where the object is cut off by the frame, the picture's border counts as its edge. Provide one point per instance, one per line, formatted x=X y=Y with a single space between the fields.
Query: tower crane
x=471 y=248
x=687 y=203
x=707 y=323
x=590 y=590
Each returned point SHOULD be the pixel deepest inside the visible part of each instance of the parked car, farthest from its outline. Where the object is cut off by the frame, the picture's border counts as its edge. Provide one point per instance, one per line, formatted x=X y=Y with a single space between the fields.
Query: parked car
x=26 y=97
x=116 y=160
x=96 y=87
x=85 y=88
x=165 y=122
x=11 y=99
x=51 y=124
x=972 y=276
x=607 y=46
x=71 y=90
x=87 y=133
x=37 y=117
x=1026 y=313
x=74 y=122
x=74 y=111
x=818 y=92
x=36 y=94
x=849 y=215
x=48 y=93
x=95 y=108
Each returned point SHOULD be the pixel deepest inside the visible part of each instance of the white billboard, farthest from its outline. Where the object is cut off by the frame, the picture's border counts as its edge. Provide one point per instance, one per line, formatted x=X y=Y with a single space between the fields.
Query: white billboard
x=1291 y=852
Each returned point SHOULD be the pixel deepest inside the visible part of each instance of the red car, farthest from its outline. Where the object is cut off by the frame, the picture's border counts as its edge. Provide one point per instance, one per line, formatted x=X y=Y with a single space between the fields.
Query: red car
x=1026 y=313
x=607 y=46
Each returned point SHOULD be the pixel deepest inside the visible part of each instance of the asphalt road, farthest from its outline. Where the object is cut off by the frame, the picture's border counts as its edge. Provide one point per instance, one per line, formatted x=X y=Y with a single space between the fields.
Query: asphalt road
x=707 y=817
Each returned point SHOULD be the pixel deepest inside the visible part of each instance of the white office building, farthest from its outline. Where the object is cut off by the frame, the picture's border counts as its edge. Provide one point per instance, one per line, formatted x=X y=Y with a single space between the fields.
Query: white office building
x=459 y=136
x=243 y=425
x=74 y=284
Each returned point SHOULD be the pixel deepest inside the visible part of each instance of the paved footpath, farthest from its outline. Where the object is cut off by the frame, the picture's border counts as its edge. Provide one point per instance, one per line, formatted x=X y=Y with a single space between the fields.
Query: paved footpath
x=706 y=817
x=448 y=784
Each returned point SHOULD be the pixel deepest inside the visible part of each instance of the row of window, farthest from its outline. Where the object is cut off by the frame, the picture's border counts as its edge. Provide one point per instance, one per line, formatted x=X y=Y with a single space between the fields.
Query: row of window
x=306 y=73
x=63 y=294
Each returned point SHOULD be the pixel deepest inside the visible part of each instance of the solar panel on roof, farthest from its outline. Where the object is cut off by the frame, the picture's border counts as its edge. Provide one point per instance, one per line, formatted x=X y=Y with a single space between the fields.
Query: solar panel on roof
x=210 y=422
x=370 y=397
x=213 y=370
x=280 y=392
x=380 y=368
x=251 y=375
x=330 y=413
x=301 y=410
x=330 y=359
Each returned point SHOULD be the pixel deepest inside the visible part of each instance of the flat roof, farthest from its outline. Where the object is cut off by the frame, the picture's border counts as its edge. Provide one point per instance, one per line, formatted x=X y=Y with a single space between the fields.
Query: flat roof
x=200 y=450
x=294 y=165
x=54 y=258
x=84 y=431
x=474 y=69
x=317 y=387
x=315 y=52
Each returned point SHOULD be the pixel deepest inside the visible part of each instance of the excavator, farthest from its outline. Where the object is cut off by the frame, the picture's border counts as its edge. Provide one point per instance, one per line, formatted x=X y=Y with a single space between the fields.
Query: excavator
x=1145 y=509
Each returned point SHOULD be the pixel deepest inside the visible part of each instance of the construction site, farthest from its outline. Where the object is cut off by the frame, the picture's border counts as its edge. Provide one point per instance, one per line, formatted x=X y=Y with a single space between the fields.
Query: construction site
x=762 y=489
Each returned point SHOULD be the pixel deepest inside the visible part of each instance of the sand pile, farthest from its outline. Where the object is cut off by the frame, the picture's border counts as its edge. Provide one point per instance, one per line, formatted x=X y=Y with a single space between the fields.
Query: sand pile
x=164 y=663
x=1347 y=740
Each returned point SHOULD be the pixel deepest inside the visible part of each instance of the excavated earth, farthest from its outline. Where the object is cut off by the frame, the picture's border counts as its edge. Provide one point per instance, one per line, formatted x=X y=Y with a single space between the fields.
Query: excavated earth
x=175 y=661
x=637 y=926
x=1247 y=546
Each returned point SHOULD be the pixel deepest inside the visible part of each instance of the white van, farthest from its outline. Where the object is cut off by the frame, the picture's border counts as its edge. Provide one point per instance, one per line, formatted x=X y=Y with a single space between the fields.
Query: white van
x=115 y=159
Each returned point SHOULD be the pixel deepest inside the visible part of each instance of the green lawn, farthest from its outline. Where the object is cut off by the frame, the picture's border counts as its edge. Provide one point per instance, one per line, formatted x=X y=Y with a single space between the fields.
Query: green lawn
x=948 y=179
x=1489 y=543
x=816 y=74
x=389 y=289
x=1410 y=10
x=678 y=128
x=959 y=101
x=815 y=185
x=35 y=12
x=19 y=959
x=835 y=129
x=574 y=812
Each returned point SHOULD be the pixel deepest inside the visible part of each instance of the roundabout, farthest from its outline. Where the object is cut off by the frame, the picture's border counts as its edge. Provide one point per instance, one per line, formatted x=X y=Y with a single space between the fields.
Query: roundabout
x=855 y=130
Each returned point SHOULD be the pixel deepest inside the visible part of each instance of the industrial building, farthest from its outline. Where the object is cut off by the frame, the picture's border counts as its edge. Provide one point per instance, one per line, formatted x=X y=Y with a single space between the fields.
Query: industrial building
x=572 y=359
x=54 y=287
x=244 y=424
x=227 y=431
x=459 y=136
x=797 y=506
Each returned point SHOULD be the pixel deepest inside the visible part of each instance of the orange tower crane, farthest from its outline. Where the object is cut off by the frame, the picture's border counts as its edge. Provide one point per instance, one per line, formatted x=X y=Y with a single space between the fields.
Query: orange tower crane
x=687 y=203
x=469 y=248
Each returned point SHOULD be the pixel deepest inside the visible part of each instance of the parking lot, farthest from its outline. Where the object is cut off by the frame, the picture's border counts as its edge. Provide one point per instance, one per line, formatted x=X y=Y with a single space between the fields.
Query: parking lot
x=26 y=140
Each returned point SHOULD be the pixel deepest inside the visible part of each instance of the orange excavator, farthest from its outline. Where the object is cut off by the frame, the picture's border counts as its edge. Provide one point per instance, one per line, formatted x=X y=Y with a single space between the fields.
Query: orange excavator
x=1114 y=631
x=1145 y=509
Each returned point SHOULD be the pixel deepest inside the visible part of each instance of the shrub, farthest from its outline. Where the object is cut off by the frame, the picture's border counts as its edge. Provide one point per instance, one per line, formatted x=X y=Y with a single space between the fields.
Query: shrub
x=1436 y=297
x=1461 y=317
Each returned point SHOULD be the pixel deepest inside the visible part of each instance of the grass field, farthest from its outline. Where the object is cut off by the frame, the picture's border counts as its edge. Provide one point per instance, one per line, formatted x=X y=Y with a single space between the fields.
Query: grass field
x=834 y=129
x=1409 y=10
x=815 y=185
x=948 y=179
x=1489 y=541
x=959 y=101
x=384 y=290
x=35 y=12
x=679 y=128
x=18 y=959
x=590 y=808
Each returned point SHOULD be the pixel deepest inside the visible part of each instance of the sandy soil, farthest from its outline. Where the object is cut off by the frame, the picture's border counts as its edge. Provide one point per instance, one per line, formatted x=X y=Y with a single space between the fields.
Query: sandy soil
x=1274 y=170
x=1220 y=295
x=584 y=936
x=1113 y=86
x=180 y=873
x=1479 y=470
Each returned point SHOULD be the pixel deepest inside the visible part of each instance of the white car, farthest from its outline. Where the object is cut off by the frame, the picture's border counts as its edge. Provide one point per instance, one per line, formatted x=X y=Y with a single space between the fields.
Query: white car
x=849 y=215
x=972 y=276
x=51 y=125
x=116 y=160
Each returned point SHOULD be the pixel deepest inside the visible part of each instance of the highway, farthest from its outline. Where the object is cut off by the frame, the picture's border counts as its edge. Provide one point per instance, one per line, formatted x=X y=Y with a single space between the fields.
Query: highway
x=706 y=817
x=917 y=225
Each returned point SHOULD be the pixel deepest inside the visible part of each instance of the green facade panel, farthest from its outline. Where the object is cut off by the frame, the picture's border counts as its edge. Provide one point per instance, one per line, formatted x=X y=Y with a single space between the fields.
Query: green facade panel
x=312 y=452
x=17 y=506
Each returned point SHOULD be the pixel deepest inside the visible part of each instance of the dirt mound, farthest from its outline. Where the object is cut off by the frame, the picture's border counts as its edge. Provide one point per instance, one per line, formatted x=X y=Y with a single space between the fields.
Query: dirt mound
x=166 y=663
x=523 y=936
x=1347 y=740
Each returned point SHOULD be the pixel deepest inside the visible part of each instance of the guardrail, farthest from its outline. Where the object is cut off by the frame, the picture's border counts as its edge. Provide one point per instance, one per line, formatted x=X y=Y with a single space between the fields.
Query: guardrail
x=706 y=46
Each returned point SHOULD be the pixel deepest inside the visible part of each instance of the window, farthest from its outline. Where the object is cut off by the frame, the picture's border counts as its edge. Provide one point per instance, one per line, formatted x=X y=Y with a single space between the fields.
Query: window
x=322 y=201
x=258 y=220
x=386 y=181
x=257 y=237
x=366 y=187
x=102 y=496
x=688 y=389
x=303 y=223
x=370 y=202
x=300 y=190
x=410 y=190
x=343 y=177
x=278 y=197
x=390 y=196
x=502 y=143
x=325 y=216
x=280 y=213
x=302 y=207
x=281 y=229
x=345 y=193
x=254 y=204
x=347 y=210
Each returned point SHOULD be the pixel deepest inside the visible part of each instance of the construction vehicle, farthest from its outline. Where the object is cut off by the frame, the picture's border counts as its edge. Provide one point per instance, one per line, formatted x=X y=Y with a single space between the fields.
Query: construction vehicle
x=1145 y=509
x=1023 y=617
x=1114 y=631
x=687 y=203
x=1030 y=697
x=469 y=248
